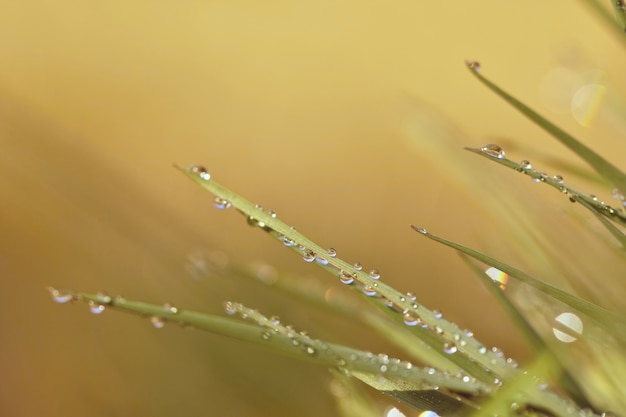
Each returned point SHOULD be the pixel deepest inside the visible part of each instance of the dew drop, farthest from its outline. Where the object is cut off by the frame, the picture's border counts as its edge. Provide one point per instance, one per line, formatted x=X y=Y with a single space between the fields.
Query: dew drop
x=157 y=322
x=331 y=252
x=558 y=179
x=525 y=164
x=374 y=274
x=320 y=260
x=482 y=350
x=308 y=256
x=200 y=171
x=568 y=327
x=437 y=314
x=272 y=214
x=358 y=266
x=498 y=277
x=230 y=308
x=449 y=348
x=103 y=298
x=60 y=297
x=369 y=291
x=346 y=277
x=410 y=296
x=410 y=320
x=310 y=350
x=383 y=368
x=420 y=230
x=266 y=335
x=169 y=308
x=288 y=242
x=473 y=65
x=493 y=150
x=95 y=308
x=275 y=320
x=221 y=203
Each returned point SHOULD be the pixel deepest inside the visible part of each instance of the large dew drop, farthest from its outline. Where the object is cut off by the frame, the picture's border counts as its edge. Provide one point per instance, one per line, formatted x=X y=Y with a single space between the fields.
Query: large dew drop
x=493 y=150
x=568 y=327
x=346 y=277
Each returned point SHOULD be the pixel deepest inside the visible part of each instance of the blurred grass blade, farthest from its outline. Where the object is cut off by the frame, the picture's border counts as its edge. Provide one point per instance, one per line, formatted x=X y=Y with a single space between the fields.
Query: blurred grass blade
x=603 y=167
x=530 y=336
x=535 y=341
x=617 y=234
x=604 y=318
x=620 y=11
x=605 y=15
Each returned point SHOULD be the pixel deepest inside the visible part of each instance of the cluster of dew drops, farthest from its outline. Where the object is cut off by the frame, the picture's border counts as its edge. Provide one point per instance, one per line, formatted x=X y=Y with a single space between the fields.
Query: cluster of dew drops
x=410 y=316
x=525 y=167
x=99 y=305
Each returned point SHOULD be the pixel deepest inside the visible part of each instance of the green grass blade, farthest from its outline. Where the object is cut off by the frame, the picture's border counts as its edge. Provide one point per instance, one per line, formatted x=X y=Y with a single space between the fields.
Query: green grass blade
x=620 y=11
x=444 y=337
x=379 y=371
x=604 y=318
x=556 y=182
x=603 y=167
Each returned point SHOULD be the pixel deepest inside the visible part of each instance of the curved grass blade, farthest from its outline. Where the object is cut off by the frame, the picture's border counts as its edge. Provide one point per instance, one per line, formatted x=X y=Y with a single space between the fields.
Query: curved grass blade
x=604 y=319
x=619 y=7
x=603 y=167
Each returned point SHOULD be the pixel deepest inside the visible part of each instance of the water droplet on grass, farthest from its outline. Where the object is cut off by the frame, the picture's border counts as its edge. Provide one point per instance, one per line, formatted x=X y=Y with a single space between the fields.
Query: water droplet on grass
x=95 y=308
x=230 y=308
x=288 y=242
x=410 y=320
x=369 y=291
x=358 y=266
x=308 y=256
x=61 y=297
x=473 y=65
x=493 y=150
x=221 y=203
x=525 y=164
x=374 y=274
x=200 y=171
x=346 y=277
x=266 y=335
x=169 y=308
x=568 y=328
x=558 y=179
x=157 y=322
x=331 y=252
x=449 y=348
x=420 y=230
x=103 y=298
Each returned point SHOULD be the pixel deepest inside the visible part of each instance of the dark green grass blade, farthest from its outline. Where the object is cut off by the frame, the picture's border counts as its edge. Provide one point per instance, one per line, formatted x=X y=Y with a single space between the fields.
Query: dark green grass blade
x=603 y=167
x=604 y=318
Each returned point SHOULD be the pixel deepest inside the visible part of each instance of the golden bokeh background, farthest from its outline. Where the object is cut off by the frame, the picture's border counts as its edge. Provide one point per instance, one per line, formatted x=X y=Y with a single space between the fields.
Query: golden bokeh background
x=347 y=118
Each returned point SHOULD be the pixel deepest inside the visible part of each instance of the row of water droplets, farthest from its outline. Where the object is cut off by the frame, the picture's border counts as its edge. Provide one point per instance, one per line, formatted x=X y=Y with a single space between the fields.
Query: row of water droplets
x=350 y=359
x=526 y=167
x=103 y=300
x=454 y=339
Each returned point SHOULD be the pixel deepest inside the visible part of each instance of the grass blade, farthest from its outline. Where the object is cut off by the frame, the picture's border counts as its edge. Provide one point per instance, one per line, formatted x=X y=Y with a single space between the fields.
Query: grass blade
x=603 y=167
x=603 y=318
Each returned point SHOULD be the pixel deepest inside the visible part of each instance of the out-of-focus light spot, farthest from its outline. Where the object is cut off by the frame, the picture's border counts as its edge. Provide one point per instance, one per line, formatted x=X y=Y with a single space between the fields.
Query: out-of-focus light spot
x=558 y=87
x=498 y=276
x=570 y=326
x=394 y=412
x=428 y=414
x=586 y=102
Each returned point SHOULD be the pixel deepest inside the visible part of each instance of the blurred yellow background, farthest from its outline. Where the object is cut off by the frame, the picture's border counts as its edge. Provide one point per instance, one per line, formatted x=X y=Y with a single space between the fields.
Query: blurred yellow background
x=347 y=118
